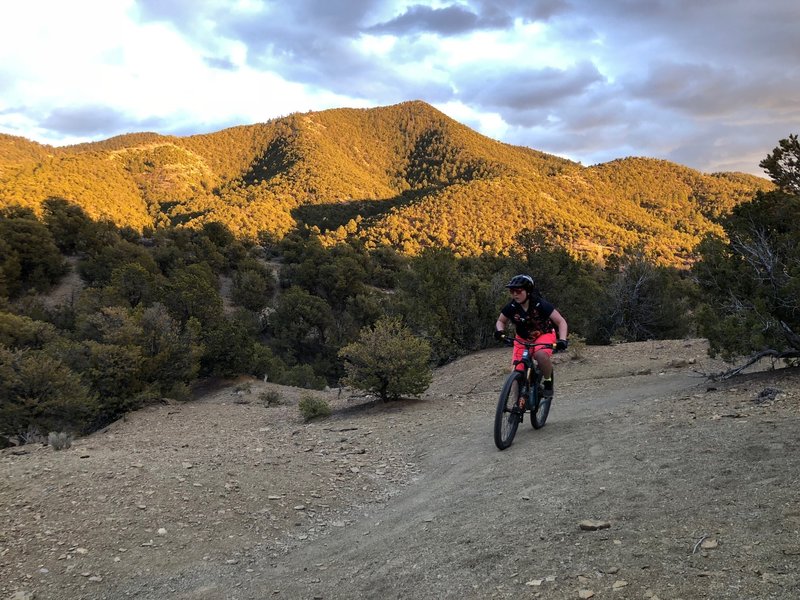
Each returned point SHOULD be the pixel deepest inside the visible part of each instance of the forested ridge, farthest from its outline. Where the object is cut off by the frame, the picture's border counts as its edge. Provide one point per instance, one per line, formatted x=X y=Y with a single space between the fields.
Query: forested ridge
x=359 y=247
x=404 y=175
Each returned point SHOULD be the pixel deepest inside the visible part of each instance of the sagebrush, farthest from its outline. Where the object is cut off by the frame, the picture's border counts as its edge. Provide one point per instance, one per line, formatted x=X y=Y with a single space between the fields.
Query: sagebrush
x=312 y=408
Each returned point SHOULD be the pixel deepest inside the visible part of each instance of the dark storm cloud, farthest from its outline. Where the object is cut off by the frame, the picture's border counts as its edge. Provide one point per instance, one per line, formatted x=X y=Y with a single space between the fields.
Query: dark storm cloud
x=98 y=121
x=450 y=20
x=697 y=83
x=458 y=17
x=707 y=90
x=522 y=89
x=677 y=79
x=527 y=10
x=708 y=30
x=308 y=42
x=314 y=41
x=103 y=122
x=85 y=120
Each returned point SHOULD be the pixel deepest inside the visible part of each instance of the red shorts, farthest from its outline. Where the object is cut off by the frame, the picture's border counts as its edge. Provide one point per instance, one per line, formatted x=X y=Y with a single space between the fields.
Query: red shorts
x=545 y=338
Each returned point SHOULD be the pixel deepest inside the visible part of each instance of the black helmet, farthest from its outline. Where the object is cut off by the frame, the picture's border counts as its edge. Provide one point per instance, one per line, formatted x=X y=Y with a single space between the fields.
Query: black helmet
x=521 y=281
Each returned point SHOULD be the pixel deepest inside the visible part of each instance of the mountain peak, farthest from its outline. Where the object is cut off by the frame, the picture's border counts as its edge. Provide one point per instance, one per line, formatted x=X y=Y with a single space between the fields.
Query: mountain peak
x=417 y=178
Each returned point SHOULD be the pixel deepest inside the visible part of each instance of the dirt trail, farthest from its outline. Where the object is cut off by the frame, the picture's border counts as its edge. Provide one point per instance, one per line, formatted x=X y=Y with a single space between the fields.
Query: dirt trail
x=697 y=484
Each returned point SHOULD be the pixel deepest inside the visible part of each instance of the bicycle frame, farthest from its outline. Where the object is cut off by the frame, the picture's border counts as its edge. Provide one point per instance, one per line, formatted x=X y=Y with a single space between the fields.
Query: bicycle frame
x=532 y=373
x=521 y=394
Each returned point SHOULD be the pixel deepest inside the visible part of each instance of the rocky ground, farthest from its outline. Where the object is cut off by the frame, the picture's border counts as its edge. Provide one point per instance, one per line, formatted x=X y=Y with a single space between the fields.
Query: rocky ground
x=689 y=489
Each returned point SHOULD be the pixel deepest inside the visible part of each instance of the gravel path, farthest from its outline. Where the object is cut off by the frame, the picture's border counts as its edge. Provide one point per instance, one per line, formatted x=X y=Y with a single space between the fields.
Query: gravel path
x=692 y=488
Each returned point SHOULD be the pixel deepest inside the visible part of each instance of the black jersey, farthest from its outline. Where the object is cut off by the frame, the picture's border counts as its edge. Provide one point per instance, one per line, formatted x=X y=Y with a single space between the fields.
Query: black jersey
x=532 y=323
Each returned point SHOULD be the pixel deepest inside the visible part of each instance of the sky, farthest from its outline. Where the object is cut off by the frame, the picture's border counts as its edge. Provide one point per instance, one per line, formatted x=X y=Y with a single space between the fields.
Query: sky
x=710 y=84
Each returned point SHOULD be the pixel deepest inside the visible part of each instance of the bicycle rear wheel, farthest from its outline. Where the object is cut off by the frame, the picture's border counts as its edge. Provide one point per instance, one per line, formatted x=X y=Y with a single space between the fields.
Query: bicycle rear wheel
x=509 y=414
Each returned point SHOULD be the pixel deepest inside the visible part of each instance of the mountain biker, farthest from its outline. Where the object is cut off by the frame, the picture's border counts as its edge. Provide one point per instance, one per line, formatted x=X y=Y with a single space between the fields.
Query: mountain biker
x=535 y=320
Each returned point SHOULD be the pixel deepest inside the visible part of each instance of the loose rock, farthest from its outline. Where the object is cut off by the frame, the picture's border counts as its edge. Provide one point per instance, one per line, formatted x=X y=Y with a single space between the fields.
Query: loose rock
x=593 y=525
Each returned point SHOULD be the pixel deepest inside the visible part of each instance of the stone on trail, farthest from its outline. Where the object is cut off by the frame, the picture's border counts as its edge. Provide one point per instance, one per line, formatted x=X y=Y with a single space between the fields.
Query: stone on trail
x=619 y=584
x=593 y=525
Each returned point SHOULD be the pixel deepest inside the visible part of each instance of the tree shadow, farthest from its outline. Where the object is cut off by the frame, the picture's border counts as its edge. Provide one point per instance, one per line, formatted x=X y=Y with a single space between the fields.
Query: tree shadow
x=369 y=406
x=329 y=216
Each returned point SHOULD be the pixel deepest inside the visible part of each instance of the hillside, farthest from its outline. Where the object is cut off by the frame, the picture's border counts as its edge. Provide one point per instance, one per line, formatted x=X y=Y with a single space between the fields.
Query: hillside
x=419 y=177
x=222 y=497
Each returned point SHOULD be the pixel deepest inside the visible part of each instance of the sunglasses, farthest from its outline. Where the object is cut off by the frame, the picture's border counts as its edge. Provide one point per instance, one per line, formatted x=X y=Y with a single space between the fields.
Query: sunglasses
x=516 y=290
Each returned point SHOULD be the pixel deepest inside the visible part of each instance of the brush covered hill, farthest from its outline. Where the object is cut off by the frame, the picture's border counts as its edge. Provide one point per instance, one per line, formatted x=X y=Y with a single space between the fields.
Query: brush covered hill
x=404 y=175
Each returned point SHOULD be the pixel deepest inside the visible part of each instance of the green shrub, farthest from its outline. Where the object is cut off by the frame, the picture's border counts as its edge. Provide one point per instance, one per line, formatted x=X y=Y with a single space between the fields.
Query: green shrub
x=41 y=392
x=313 y=408
x=18 y=332
x=301 y=376
x=271 y=398
x=179 y=391
x=389 y=360
x=30 y=256
x=252 y=288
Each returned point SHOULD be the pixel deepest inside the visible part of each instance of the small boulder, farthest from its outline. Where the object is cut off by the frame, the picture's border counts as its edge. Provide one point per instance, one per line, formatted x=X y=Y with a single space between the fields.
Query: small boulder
x=593 y=525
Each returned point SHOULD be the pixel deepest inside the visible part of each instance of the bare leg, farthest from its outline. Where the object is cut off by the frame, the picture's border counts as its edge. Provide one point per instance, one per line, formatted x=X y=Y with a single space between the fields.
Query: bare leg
x=545 y=364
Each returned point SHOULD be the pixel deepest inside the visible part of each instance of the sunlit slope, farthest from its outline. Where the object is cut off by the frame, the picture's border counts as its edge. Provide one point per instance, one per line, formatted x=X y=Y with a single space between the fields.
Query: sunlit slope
x=659 y=207
x=432 y=180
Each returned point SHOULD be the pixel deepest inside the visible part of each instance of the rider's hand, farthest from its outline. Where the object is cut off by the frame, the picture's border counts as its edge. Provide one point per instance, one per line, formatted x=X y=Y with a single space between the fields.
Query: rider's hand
x=561 y=345
x=499 y=335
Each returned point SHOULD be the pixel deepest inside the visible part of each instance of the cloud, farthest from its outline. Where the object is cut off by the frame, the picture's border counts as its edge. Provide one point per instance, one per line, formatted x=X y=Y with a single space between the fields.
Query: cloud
x=702 y=82
x=94 y=121
x=522 y=89
x=460 y=18
x=85 y=120
x=450 y=20
x=706 y=91
x=224 y=64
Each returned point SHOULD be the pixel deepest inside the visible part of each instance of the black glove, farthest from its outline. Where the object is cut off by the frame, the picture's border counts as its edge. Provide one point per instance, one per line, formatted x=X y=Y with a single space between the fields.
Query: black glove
x=499 y=335
x=561 y=345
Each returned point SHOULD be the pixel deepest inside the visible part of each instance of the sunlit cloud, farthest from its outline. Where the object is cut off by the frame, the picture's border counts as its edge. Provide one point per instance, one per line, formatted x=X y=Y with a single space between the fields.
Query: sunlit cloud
x=708 y=85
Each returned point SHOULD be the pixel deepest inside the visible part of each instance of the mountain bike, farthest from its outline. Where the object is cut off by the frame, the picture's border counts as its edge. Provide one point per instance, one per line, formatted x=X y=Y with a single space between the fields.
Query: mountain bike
x=523 y=392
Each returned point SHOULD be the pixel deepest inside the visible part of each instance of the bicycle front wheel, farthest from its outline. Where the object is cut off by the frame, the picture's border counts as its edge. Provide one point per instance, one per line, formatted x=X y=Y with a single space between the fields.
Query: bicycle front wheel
x=508 y=414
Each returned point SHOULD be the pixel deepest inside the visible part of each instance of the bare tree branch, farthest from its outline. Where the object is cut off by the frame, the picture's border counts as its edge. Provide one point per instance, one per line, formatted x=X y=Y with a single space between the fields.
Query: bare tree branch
x=752 y=360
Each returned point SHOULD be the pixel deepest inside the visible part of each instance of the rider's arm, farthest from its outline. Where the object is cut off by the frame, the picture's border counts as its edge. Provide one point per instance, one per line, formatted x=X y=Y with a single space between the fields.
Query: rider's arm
x=561 y=323
x=502 y=322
